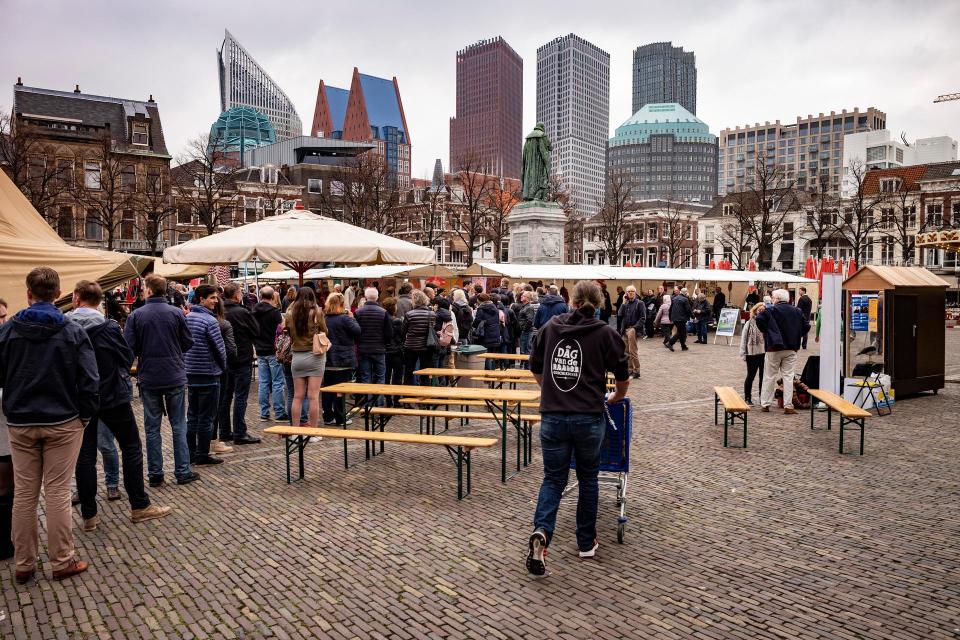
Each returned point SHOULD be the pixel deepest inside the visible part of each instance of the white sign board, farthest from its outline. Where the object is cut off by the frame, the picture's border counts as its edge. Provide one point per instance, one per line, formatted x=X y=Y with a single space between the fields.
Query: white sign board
x=727 y=322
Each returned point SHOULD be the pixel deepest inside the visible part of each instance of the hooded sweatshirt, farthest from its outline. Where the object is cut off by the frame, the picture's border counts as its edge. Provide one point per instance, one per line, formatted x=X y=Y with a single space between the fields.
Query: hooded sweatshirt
x=550 y=306
x=48 y=371
x=268 y=317
x=114 y=356
x=573 y=353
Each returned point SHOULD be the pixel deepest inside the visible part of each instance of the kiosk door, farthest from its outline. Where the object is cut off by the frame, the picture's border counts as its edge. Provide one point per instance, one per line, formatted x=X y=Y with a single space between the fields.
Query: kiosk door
x=905 y=352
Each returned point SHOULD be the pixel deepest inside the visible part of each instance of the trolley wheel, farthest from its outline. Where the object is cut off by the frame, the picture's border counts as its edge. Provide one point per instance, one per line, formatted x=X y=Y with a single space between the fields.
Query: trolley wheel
x=620 y=529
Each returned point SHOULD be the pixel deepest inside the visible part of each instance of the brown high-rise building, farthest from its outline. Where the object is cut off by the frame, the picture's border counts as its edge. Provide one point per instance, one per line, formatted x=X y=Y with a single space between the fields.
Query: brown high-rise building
x=488 y=127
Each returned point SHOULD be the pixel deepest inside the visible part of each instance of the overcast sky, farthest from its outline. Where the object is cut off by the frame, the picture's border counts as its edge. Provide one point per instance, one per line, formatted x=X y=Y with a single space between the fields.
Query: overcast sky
x=756 y=61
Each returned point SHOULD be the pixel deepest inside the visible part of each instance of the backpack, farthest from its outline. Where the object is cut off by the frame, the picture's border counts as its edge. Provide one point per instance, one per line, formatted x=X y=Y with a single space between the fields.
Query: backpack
x=283 y=347
x=445 y=335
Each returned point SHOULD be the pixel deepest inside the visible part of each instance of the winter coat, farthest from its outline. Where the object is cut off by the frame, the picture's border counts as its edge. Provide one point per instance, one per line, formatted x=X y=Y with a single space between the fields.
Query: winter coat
x=805 y=304
x=550 y=306
x=663 y=315
x=487 y=317
x=395 y=344
x=404 y=304
x=343 y=332
x=114 y=356
x=703 y=310
x=267 y=317
x=632 y=314
x=719 y=301
x=48 y=370
x=751 y=340
x=158 y=334
x=680 y=310
x=208 y=355
x=229 y=343
x=464 y=316
x=245 y=331
x=525 y=318
x=376 y=328
x=783 y=327
x=417 y=323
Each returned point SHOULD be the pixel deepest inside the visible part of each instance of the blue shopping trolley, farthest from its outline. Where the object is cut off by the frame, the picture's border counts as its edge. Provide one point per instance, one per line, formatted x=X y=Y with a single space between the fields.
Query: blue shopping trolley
x=615 y=456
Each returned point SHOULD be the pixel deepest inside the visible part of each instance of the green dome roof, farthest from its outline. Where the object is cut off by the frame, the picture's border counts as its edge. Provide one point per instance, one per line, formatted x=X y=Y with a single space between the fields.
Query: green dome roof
x=662 y=118
x=240 y=129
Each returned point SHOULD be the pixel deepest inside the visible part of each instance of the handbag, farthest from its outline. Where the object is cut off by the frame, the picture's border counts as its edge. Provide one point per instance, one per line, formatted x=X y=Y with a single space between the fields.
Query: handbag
x=432 y=341
x=321 y=343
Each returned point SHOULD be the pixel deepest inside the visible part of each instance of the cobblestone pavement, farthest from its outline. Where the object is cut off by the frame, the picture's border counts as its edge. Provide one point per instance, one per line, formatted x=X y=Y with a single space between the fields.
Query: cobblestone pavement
x=786 y=539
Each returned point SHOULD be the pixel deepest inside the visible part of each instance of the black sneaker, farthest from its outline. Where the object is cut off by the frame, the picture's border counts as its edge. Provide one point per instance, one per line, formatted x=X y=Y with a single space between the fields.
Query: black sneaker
x=192 y=477
x=329 y=423
x=207 y=460
x=246 y=439
x=156 y=481
x=537 y=555
x=668 y=346
x=636 y=376
x=683 y=348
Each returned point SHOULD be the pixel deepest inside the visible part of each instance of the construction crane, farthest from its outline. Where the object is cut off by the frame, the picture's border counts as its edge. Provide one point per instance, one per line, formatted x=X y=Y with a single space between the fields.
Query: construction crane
x=947 y=97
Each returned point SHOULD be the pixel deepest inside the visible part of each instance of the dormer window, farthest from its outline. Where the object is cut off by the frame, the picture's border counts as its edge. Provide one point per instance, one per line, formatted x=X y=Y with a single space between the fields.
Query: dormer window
x=141 y=134
x=890 y=185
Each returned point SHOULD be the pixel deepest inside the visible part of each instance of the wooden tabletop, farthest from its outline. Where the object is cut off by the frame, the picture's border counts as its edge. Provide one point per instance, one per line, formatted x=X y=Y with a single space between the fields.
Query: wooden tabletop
x=506 y=356
x=456 y=393
x=474 y=373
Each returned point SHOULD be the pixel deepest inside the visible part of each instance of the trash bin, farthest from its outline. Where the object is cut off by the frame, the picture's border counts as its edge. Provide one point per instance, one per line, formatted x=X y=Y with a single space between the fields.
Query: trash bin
x=468 y=357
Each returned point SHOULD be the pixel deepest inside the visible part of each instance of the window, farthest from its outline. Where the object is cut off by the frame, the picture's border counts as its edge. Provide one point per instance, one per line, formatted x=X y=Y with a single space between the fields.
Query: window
x=36 y=166
x=687 y=258
x=889 y=185
x=314 y=185
x=128 y=178
x=651 y=257
x=708 y=233
x=250 y=211
x=65 y=172
x=65 y=222
x=456 y=257
x=184 y=215
x=787 y=231
x=934 y=215
x=141 y=134
x=910 y=216
x=92 y=228
x=887 y=247
x=154 y=181
x=91 y=174
x=933 y=257
x=652 y=231
x=127 y=225
x=876 y=154
x=688 y=234
x=336 y=188
x=729 y=209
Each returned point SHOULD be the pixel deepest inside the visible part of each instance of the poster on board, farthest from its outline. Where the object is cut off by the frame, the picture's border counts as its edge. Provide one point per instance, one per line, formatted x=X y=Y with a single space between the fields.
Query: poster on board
x=860 y=305
x=727 y=322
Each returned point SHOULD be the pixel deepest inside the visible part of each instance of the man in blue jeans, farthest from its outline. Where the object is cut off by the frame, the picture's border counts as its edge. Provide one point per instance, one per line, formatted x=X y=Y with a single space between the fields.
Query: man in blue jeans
x=376 y=331
x=269 y=371
x=245 y=331
x=570 y=359
x=205 y=362
x=158 y=335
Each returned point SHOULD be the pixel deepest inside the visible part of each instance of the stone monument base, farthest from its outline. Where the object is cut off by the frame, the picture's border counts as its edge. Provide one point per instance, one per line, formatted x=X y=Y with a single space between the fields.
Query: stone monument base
x=536 y=232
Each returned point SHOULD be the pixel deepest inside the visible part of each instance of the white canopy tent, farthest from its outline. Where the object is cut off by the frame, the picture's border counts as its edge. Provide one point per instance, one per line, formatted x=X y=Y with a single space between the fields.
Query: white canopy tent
x=607 y=272
x=362 y=273
x=300 y=240
x=545 y=272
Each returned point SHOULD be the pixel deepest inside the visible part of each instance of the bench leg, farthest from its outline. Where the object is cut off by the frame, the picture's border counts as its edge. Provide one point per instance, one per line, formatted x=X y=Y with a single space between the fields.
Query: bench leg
x=813 y=404
x=286 y=448
x=857 y=422
x=745 y=415
x=829 y=418
x=461 y=457
x=289 y=444
x=716 y=404
x=725 y=421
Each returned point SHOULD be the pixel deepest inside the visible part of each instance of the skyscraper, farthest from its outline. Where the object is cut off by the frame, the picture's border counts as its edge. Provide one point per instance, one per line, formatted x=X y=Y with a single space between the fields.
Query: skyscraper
x=243 y=83
x=489 y=120
x=664 y=73
x=573 y=102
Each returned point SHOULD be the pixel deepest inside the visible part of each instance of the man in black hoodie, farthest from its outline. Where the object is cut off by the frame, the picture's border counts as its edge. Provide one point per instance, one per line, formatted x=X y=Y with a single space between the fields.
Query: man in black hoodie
x=114 y=358
x=269 y=371
x=570 y=360
x=51 y=390
x=239 y=374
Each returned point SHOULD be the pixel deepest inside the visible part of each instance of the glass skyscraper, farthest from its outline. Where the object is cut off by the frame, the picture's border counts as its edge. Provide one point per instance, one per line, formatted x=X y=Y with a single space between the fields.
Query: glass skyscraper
x=663 y=73
x=243 y=83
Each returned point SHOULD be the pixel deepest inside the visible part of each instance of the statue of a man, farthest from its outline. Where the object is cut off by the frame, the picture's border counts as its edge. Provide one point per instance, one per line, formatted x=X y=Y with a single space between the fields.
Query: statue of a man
x=536 y=164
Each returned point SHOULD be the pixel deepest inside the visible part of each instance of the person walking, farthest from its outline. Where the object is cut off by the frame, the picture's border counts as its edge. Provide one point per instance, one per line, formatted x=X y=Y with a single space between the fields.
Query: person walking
x=419 y=351
x=680 y=314
x=752 y=352
x=632 y=320
x=269 y=371
x=158 y=334
x=218 y=436
x=570 y=360
x=662 y=319
x=343 y=330
x=115 y=415
x=302 y=322
x=551 y=305
x=51 y=391
x=703 y=313
x=783 y=327
x=393 y=352
x=205 y=360
x=239 y=369
x=376 y=332
x=805 y=304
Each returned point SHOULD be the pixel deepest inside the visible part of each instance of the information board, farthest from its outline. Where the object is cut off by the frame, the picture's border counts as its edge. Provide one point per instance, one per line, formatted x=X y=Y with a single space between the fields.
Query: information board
x=727 y=322
x=860 y=311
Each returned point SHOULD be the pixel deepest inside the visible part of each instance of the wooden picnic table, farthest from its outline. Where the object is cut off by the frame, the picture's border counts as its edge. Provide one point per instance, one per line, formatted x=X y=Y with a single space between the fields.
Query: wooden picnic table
x=505 y=360
x=503 y=404
x=440 y=372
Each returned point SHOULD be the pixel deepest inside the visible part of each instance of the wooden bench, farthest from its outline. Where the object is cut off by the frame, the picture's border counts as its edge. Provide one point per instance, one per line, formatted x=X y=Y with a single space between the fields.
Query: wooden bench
x=464 y=403
x=734 y=408
x=850 y=414
x=459 y=448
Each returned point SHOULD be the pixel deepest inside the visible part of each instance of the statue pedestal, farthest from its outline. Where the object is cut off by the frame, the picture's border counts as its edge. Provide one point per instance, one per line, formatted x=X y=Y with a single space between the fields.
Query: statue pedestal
x=536 y=232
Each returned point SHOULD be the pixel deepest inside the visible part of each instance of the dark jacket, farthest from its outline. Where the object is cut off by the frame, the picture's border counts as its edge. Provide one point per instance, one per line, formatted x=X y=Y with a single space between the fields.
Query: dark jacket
x=783 y=327
x=376 y=328
x=208 y=355
x=525 y=318
x=632 y=313
x=404 y=304
x=48 y=370
x=343 y=332
x=267 y=317
x=703 y=310
x=487 y=327
x=510 y=325
x=158 y=335
x=416 y=324
x=719 y=301
x=464 y=315
x=680 y=310
x=229 y=342
x=395 y=345
x=805 y=304
x=245 y=331
x=550 y=306
x=573 y=353
x=114 y=356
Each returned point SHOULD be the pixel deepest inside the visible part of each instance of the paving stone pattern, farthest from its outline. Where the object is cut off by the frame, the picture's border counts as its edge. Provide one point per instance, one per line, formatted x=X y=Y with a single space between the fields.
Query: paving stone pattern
x=786 y=539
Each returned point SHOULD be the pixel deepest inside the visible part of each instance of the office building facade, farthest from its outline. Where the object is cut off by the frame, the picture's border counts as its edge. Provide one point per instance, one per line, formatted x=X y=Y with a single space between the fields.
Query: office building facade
x=488 y=126
x=664 y=151
x=807 y=152
x=664 y=73
x=879 y=150
x=573 y=102
x=244 y=83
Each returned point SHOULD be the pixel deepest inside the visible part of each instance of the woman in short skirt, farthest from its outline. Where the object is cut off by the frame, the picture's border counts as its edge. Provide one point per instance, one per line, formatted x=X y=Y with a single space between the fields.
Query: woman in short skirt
x=302 y=321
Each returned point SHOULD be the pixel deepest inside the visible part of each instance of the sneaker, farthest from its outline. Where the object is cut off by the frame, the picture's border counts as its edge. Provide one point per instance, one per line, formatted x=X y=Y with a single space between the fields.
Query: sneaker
x=218 y=446
x=72 y=569
x=749 y=402
x=245 y=439
x=187 y=479
x=264 y=418
x=682 y=348
x=537 y=555
x=156 y=481
x=91 y=524
x=113 y=493
x=207 y=460
x=330 y=423
x=669 y=346
x=790 y=411
x=283 y=418
x=149 y=513
x=765 y=409
x=589 y=553
x=636 y=376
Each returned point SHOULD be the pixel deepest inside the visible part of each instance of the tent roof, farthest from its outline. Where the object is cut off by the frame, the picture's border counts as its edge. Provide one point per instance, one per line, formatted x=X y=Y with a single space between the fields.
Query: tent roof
x=180 y=271
x=27 y=242
x=607 y=272
x=873 y=277
x=364 y=272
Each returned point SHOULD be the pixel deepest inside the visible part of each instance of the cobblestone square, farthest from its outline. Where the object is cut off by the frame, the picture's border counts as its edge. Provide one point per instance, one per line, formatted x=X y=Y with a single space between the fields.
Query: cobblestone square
x=786 y=539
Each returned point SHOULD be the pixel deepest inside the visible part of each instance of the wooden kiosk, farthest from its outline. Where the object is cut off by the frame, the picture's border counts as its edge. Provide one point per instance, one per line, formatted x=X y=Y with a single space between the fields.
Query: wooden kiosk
x=895 y=315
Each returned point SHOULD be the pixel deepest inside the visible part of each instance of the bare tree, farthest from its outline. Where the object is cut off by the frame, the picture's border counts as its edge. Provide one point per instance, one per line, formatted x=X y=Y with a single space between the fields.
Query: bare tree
x=858 y=221
x=155 y=212
x=433 y=211
x=562 y=194
x=675 y=224
x=766 y=205
x=470 y=199
x=29 y=160
x=503 y=196
x=108 y=197
x=735 y=232
x=205 y=181
x=821 y=216
x=900 y=219
x=615 y=208
x=363 y=195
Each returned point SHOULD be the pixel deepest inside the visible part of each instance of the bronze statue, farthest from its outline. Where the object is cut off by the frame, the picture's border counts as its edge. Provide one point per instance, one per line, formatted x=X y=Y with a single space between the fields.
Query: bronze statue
x=536 y=164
